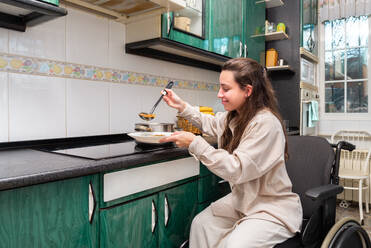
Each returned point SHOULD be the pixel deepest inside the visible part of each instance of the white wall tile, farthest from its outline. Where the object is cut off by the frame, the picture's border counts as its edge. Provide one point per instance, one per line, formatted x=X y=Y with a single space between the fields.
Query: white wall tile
x=87 y=107
x=46 y=40
x=86 y=38
x=208 y=98
x=36 y=107
x=3 y=107
x=125 y=104
x=190 y=96
x=116 y=47
x=4 y=36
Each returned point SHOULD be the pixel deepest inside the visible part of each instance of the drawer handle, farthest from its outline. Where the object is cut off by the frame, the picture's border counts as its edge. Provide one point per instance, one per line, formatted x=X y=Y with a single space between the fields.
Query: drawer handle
x=222 y=181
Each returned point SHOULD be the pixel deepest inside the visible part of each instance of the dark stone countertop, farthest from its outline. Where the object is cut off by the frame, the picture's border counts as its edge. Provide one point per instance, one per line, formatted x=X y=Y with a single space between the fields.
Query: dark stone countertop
x=24 y=167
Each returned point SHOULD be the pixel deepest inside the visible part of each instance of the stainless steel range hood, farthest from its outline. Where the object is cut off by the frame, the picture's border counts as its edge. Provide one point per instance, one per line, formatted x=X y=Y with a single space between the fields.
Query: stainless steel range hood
x=18 y=14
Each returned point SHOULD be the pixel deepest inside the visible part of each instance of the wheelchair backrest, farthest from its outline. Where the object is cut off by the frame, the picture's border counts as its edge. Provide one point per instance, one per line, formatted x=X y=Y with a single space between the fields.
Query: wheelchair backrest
x=309 y=165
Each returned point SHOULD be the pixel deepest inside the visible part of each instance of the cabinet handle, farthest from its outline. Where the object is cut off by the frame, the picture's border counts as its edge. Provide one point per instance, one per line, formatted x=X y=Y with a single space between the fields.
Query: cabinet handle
x=154 y=217
x=92 y=203
x=184 y=244
x=167 y=210
x=222 y=181
x=245 y=51
x=170 y=23
x=240 y=55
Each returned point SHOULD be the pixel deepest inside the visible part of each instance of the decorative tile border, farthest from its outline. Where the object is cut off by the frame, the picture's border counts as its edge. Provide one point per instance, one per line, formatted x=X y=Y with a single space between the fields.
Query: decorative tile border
x=51 y=68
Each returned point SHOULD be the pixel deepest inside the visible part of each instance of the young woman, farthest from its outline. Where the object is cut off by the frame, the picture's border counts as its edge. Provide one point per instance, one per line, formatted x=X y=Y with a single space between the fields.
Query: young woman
x=261 y=211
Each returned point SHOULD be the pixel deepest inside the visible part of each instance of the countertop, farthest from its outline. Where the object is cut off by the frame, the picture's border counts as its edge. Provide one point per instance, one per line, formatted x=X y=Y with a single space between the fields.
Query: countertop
x=24 y=167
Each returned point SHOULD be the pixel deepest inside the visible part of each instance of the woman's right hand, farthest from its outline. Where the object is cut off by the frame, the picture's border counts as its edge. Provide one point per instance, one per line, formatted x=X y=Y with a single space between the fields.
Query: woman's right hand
x=174 y=101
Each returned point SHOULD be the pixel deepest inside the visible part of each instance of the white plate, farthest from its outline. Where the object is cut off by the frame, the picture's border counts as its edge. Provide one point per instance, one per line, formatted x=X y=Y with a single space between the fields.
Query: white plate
x=149 y=137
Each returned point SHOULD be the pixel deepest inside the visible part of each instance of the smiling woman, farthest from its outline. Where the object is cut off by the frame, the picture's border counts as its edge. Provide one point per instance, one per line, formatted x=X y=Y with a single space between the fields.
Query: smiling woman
x=251 y=155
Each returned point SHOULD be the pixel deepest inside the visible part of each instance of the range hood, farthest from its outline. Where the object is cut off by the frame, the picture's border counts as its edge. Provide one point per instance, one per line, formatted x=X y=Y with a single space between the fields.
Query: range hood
x=18 y=14
x=168 y=50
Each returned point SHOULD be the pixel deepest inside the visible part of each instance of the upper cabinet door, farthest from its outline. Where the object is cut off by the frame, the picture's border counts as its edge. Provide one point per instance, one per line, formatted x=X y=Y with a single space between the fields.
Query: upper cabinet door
x=226 y=27
x=254 y=21
x=309 y=34
x=189 y=25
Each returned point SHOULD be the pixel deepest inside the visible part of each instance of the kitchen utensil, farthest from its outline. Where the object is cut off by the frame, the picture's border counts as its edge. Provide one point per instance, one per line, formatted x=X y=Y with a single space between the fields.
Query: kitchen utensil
x=149 y=116
x=149 y=137
x=154 y=127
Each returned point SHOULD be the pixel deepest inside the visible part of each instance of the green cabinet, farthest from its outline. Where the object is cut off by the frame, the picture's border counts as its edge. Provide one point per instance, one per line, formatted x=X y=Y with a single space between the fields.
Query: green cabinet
x=161 y=220
x=226 y=34
x=210 y=188
x=194 y=34
x=309 y=27
x=177 y=207
x=55 y=2
x=53 y=214
x=232 y=23
x=228 y=26
x=254 y=20
x=133 y=224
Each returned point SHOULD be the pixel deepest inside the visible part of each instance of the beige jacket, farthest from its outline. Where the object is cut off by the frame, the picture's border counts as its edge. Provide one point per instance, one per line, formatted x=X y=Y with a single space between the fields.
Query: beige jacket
x=256 y=170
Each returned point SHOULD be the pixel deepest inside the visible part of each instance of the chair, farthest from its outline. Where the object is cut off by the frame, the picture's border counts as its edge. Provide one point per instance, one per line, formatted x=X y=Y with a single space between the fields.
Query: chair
x=354 y=166
x=357 y=138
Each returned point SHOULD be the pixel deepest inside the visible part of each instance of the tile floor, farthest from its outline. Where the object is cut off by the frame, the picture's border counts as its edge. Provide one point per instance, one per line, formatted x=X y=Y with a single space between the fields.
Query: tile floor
x=352 y=211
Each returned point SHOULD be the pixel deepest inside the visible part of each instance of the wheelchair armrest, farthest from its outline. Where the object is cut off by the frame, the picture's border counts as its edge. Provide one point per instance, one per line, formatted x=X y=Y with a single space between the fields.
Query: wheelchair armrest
x=344 y=145
x=324 y=192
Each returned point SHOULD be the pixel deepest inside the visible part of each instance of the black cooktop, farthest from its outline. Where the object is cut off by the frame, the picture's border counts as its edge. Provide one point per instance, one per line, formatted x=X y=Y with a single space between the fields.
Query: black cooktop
x=112 y=150
x=91 y=147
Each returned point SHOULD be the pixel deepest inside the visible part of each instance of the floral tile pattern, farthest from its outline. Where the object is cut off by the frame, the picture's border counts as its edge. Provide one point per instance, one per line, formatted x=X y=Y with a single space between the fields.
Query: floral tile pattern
x=51 y=68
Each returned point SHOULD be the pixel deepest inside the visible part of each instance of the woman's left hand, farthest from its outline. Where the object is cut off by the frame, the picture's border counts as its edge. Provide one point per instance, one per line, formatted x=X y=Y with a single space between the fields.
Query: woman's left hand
x=181 y=139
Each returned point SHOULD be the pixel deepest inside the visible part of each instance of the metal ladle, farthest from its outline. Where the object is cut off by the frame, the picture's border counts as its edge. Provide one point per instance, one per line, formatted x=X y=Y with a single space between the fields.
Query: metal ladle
x=149 y=116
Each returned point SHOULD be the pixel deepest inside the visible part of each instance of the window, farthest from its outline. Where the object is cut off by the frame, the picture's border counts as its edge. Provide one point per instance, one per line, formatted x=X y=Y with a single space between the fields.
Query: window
x=346 y=65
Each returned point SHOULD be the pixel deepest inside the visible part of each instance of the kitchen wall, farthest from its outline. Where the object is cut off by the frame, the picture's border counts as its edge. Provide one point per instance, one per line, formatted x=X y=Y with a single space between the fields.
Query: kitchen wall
x=44 y=95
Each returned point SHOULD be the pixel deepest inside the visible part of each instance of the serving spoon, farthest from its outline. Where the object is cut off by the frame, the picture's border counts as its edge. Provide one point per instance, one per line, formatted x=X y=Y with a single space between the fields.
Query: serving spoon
x=150 y=116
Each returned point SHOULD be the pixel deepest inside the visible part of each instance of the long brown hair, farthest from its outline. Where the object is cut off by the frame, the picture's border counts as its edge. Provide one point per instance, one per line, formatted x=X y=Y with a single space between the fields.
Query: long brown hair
x=248 y=71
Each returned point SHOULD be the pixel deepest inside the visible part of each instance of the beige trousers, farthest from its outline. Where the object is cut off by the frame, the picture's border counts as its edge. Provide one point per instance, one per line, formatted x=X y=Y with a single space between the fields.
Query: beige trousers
x=209 y=231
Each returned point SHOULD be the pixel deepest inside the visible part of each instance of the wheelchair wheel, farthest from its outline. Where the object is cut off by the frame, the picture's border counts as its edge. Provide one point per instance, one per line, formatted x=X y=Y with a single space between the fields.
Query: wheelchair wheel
x=347 y=232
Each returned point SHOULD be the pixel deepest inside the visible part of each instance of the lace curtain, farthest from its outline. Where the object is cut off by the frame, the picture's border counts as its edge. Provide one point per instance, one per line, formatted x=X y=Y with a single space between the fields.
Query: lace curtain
x=337 y=9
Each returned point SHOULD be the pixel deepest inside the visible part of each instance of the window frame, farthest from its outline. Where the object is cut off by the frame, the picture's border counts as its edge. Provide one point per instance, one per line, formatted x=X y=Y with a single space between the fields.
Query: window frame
x=321 y=80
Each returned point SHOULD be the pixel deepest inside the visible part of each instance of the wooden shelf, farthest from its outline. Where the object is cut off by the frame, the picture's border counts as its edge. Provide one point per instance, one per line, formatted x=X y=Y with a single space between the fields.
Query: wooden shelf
x=271 y=3
x=308 y=55
x=280 y=68
x=273 y=36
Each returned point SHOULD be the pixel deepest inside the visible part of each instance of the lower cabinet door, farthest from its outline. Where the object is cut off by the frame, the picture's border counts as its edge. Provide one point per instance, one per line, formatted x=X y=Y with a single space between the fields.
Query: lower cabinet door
x=53 y=214
x=178 y=206
x=133 y=224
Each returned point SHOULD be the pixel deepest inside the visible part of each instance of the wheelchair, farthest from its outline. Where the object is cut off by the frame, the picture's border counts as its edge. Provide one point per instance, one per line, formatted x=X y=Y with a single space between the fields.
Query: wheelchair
x=313 y=167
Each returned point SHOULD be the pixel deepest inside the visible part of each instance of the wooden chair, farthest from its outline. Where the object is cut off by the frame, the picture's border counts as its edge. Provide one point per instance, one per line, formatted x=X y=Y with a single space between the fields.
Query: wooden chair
x=354 y=166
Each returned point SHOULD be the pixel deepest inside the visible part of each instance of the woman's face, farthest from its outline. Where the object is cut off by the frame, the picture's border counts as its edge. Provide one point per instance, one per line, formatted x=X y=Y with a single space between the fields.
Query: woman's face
x=232 y=96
